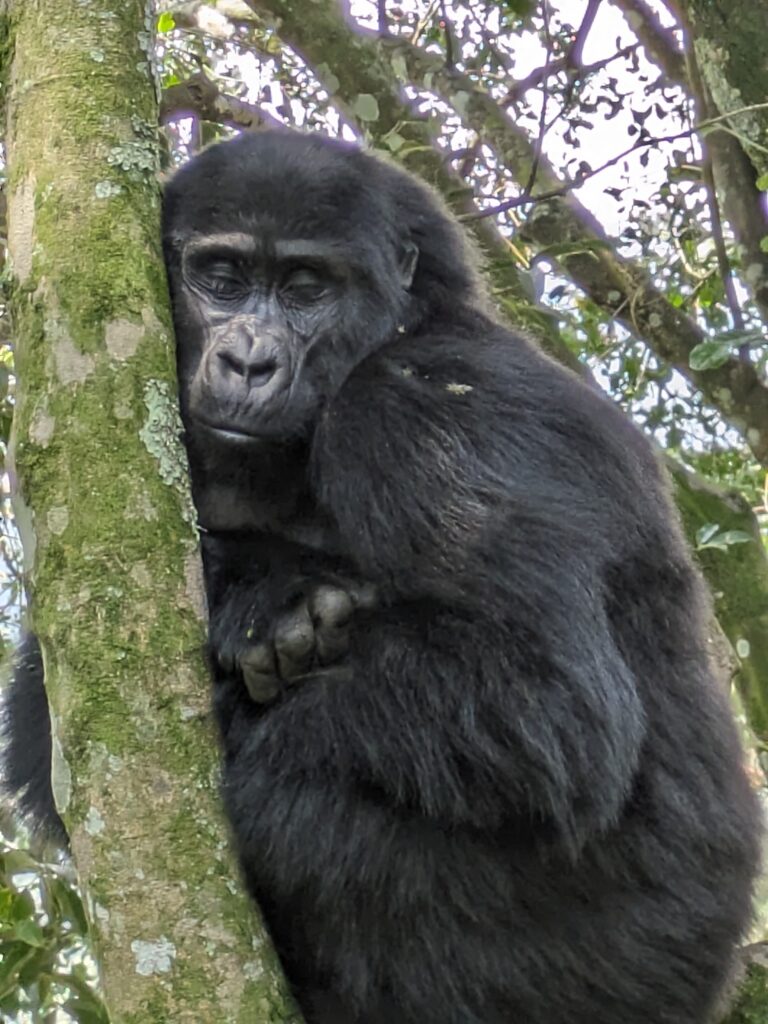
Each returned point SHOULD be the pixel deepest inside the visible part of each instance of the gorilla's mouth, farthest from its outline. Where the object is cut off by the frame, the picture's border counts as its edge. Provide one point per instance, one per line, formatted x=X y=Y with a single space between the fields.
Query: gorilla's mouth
x=228 y=432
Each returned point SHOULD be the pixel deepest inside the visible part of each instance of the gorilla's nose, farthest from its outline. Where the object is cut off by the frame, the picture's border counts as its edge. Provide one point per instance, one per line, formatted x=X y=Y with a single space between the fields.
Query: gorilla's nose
x=252 y=361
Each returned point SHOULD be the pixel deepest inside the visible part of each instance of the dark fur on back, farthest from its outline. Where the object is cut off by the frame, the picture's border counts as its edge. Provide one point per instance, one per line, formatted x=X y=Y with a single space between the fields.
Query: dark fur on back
x=522 y=801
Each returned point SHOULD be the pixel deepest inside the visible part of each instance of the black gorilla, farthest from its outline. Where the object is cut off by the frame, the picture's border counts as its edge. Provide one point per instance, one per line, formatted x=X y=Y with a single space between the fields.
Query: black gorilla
x=476 y=764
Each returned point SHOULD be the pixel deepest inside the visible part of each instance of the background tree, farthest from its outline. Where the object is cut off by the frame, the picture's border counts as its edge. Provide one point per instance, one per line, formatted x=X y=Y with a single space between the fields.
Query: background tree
x=611 y=159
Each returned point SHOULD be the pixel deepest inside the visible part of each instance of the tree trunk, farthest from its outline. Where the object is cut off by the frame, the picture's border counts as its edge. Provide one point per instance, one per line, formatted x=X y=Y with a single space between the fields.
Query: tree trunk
x=107 y=521
x=728 y=39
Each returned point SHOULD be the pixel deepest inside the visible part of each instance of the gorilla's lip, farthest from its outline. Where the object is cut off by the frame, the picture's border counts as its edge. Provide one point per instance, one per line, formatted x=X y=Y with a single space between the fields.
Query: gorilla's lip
x=227 y=432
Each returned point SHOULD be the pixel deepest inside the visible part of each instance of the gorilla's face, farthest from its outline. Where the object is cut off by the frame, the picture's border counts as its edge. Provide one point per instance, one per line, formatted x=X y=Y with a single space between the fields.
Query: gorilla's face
x=279 y=289
x=272 y=325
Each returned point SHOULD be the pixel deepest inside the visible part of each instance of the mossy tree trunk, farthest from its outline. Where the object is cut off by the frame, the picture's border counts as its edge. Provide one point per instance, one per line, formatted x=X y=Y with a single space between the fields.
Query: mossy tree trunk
x=107 y=522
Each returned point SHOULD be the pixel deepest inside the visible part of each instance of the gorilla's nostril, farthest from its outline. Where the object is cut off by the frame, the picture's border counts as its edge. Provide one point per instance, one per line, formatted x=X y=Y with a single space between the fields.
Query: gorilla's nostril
x=232 y=362
x=261 y=373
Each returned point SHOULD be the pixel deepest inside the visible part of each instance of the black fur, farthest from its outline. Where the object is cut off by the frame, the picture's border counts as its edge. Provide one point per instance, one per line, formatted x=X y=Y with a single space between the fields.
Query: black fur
x=25 y=760
x=519 y=797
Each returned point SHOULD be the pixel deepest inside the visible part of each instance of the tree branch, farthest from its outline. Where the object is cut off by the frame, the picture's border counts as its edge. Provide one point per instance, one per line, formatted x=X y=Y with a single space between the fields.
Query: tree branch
x=620 y=286
x=219 y=20
x=733 y=171
x=659 y=42
x=200 y=97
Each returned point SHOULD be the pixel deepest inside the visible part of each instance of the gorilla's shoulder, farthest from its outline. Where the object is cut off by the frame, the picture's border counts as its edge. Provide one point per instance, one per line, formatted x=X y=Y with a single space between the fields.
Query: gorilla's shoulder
x=481 y=365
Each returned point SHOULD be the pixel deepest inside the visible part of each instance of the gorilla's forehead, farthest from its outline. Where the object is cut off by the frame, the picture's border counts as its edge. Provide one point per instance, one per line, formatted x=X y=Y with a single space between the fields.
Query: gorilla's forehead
x=279 y=186
x=283 y=210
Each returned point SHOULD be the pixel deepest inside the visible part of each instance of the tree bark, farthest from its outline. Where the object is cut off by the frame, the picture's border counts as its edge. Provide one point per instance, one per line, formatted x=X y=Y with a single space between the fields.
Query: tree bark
x=727 y=37
x=108 y=524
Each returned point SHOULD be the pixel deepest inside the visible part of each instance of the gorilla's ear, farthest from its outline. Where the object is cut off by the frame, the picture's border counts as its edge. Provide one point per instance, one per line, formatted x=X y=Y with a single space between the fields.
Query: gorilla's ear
x=409 y=257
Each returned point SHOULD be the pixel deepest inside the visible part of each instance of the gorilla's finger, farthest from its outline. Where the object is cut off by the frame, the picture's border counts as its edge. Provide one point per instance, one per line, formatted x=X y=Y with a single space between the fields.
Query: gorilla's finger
x=260 y=673
x=364 y=596
x=330 y=606
x=331 y=609
x=331 y=643
x=294 y=642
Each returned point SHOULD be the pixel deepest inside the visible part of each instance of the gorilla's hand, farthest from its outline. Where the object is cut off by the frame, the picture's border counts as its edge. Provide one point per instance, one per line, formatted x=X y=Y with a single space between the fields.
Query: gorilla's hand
x=309 y=636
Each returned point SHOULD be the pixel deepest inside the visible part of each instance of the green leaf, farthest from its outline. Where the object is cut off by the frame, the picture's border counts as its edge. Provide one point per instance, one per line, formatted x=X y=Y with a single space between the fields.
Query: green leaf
x=708 y=537
x=366 y=107
x=708 y=355
x=85 y=1005
x=706 y=533
x=39 y=962
x=13 y=956
x=6 y=904
x=15 y=861
x=734 y=537
x=165 y=23
x=10 y=1006
x=743 y=337
x=68 y=905
x=394 y=142
x=330 y=81
x=762 y=182
x=30 y=933
x=516 y=8
x=22 y=908
x=399 y=67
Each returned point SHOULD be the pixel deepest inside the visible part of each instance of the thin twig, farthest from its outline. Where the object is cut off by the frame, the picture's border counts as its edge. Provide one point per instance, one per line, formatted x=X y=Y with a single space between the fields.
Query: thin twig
x=422 y=23
x=576 y=51
x=450 y=62
x=560 y=64
x=724 y=265
x=523 y=199
x=544 y=101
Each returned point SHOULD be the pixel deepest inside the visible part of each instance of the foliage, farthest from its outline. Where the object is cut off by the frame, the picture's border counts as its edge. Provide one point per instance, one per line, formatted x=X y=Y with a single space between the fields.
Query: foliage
x=45 y=971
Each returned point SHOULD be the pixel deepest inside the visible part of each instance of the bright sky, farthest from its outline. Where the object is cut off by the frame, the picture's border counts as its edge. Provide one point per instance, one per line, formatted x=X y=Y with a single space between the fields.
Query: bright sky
x=609 y=33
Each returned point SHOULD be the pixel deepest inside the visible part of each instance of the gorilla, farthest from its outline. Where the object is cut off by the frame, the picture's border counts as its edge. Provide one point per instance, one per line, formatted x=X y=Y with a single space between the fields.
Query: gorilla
x=476 y=763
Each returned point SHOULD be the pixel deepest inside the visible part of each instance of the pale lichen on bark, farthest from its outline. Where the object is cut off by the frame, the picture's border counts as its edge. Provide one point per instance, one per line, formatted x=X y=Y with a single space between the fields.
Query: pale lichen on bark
x=161 y=435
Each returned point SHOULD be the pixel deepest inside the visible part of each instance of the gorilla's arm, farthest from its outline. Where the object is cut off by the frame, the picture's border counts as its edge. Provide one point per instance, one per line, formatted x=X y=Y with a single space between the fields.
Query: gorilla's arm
x=490 y=683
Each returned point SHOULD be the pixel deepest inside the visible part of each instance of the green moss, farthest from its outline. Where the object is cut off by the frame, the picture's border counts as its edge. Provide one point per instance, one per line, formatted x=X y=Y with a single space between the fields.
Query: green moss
x=7 y=42
x=751 y=1006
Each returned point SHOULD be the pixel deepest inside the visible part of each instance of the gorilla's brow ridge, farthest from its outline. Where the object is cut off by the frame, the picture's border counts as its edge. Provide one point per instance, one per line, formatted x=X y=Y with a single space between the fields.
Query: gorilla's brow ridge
x=328 y=252
x=238 y=241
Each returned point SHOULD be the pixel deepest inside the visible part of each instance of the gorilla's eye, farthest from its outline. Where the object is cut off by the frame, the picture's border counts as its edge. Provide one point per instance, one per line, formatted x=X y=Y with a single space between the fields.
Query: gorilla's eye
x=303 y=285
x=223 y=280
